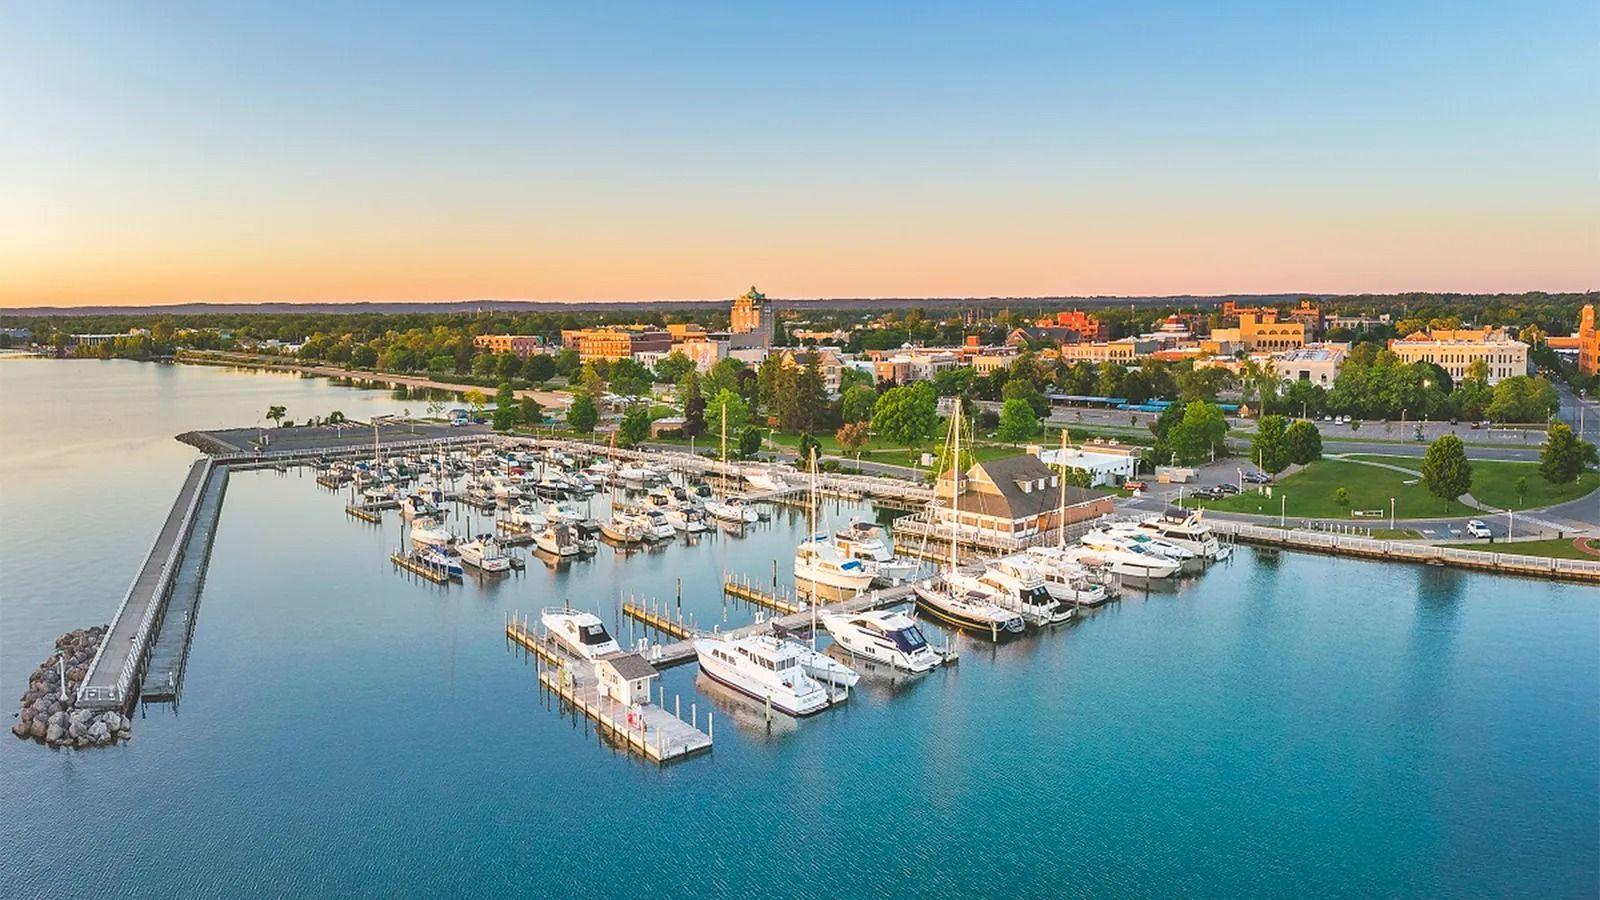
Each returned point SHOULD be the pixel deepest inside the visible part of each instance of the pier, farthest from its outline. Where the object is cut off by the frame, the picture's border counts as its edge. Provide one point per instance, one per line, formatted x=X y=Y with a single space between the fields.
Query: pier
x=163 y=673
x=660 y=621
x=648 y=729
x=742 y=588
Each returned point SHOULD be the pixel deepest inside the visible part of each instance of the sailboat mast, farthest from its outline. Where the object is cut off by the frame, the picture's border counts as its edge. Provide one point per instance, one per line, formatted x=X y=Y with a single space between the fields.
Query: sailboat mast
x=955 y=482
x=1061 y=513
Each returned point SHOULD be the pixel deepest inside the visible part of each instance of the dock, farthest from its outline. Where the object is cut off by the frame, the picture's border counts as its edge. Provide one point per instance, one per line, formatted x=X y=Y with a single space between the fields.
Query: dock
x=742 y=588
x=660 y=621
x=416 y=565
x=364 y=513
x=647 y=729
x=169 y=653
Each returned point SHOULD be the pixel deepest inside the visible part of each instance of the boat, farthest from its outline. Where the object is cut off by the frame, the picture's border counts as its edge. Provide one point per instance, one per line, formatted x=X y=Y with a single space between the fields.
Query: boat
x=622 y=528
x=580 y=632
x=1067 y=581
x=525 y=516
x=686 y=518
x=1187 y=560
x=416 y=506
x=948 y=601
x=1015 y=585
x=438 y=556
x=1188 y=532
x=429 y=533
x=558 y=540
x=883 y=635
x=766 y=668
x=818 y=562
x=484 y=553
x=563 y=512
x=767 y=481
x=733 y=510
x=1128 y=556
x=866 y=541
x=634 y=473
x=828 y=671
x=657 y=528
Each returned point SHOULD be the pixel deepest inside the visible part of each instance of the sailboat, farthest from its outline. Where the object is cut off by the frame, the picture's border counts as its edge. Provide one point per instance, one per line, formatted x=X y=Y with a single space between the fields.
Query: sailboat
x=818 y=561
x=948 y=602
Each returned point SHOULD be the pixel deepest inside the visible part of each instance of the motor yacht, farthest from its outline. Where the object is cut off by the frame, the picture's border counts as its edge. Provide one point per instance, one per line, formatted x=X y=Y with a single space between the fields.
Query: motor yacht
x=1188 y=532
x=1128 y=536
x=733 y=510
x=563 y=512
x=818 y=562
x=438 y=556
x=866 y=541
x=766 y=668
x=1014 y=585
x=580 y=632
x=767 y=480
x=429 y=533
x=416 y=506
x=526 y=516
x=883 y=635
x=558 y=540
x=484 y=553
x=622 y=528
x=1068 y=581
x=968 y=610
x=686 y=517
x=657 y=528
x=1125 y=562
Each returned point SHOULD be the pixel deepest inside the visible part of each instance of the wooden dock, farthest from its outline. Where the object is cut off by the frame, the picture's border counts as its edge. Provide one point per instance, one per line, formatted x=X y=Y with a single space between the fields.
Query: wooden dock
x=648 y=729
x=416 y=565
x=364 y=514
x=657 y=619
x=743 y=589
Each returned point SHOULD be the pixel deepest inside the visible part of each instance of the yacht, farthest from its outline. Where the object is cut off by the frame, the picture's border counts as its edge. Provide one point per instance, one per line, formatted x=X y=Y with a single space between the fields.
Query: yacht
x=416 y=506
x=766 y=668
x=883 y=635
x=558 y=540
x=1135 y=562
x=828 y=671
x=1188 y=532
x=687 y=518
x=818 y=562
x=1121 y=537
x=622 y=528
x=581 y=632
x=563 y=512
x=438 y=556
x=865 y=541
x=429 y=533
x=767 y=481
x=1067 y=580
x=969 y=610
x=484 y=553
x=1014 y=585
x=733 y=510
x=657 y=527
x=635 y=473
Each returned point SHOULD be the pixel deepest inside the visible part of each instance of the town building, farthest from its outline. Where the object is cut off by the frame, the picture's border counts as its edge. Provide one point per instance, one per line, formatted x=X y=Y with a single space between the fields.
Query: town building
x=523 y=345
x=753 y=315
x=1260 y=330
x=1357 y=323
x=1087 y=327
x=1587 y=342
x=703 y=353
x=828 y=364
x=1014 y=497
x=1124 y=351
x=1311 y=316
x=1108 y=463
x=1454 y=350
x=1316 y=363
x=615 y=343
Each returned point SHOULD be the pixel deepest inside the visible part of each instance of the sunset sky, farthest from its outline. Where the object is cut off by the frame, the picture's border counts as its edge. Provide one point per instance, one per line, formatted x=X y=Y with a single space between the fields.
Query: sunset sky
x=162 y=153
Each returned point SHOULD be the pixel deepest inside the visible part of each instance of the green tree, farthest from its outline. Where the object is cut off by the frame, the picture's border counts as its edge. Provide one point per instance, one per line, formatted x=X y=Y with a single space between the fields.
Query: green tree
x=1563 y=455
x=908 y=414
x=857 y=403
x=1024 y=390
x=477 y=401
x=567 y=362
x=582 y=414
x=1270 y=447
x=591 y=382
x=1445 y=469
x=276 y=413
x=532 y=411
x=694 y=404
x=629 y=378
x=1304 y=442
x=1522 y=489
x=750 y=442
x=1201 y=433
x=634 y=429
x=726 y=405
x=1017 y=420
x=539 y=368
x=508 y=367
x=807 y=446
x=1341 y=496
x=505 y=407
x=673 y=367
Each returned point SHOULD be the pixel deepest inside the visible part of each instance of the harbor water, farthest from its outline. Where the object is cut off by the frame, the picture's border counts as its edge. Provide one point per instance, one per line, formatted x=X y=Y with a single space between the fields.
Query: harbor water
x=1284 y=724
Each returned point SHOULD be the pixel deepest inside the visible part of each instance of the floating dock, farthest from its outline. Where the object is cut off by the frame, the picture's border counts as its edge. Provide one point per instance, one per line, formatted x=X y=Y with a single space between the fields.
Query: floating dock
x=742 y=588
x=416 y=565
x=657 y=619
x=647 y=729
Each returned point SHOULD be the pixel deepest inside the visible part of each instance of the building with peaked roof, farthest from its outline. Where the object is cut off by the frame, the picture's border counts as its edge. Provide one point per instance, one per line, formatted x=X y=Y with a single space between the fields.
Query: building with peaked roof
x=1015 y=497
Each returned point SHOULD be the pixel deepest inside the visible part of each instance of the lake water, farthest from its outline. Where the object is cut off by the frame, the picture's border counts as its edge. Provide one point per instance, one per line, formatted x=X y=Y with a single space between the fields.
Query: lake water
x=1285 y=724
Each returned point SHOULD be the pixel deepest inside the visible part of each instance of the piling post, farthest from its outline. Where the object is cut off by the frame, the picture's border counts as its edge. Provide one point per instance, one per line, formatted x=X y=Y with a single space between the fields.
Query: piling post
x=710 y=728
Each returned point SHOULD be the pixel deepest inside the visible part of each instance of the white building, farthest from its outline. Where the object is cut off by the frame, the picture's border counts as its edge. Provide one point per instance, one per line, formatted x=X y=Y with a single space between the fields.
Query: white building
x=1316 y=363
x=1106 y=463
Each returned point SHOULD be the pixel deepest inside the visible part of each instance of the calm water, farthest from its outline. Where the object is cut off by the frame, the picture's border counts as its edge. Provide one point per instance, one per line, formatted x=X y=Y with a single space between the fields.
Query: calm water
x=1286 y=724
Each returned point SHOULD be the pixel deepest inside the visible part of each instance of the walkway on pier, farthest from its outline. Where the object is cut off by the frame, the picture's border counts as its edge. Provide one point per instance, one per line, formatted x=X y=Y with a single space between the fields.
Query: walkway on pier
x=109 y=682
x=170 y=650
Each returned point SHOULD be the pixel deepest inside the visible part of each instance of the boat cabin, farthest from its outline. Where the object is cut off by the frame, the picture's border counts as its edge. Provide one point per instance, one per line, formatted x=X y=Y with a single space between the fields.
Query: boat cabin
x=625 y=678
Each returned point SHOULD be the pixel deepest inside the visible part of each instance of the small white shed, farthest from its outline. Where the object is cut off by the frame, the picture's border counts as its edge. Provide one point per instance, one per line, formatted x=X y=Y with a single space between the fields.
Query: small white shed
x=625 y=678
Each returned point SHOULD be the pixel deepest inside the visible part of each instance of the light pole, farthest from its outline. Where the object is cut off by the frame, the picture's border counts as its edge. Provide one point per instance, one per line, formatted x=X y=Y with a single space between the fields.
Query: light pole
x=1283 y=505
x=1391 y=513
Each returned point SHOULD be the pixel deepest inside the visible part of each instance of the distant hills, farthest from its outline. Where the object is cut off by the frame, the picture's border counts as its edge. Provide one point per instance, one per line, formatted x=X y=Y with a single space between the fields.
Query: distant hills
x=471 y=306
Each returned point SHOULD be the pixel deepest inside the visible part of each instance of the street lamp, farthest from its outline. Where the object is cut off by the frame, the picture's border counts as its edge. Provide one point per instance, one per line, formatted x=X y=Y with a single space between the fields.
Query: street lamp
x=1391 y=513
x=1283 y=504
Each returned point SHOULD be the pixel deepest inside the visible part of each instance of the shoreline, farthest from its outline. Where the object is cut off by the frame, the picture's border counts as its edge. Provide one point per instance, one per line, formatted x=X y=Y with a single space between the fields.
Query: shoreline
x=548 y=399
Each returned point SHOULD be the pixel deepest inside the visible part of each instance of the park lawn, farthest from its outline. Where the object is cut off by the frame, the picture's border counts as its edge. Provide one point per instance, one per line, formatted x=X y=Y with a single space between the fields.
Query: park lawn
x=1309 y=494
x=1494 y=481
x=1554 y=548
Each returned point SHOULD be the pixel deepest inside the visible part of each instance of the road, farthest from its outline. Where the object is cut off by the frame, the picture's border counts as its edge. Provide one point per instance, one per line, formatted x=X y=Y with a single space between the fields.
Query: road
x=1582 y=414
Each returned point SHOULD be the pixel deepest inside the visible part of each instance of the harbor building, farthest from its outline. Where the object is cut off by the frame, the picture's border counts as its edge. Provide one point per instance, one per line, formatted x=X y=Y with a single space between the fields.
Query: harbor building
x=1454 y=350
x=1014 y=497
x=625 y=678
x=1316 y=363
x=1107 y=463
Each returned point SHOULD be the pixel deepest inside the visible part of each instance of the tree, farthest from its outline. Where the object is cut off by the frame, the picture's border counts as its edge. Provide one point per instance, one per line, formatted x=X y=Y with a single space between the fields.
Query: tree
x=673 y=367
x=726 y=405
x=1522 y=489
x=1022 y=389
x=1563 y=455
x=508 y=366
x=505 y=406
x=532 y=411
x=852 y=436
x=750 y=442
x=582 y=415
x=1341 y=496
x=477 y=400
x=539 y=368
x=276 y=413
x=567 y=362
x=1017 y=421
x=1270 y=447
x=1445 y=469
x=629 y=378
x=857 y=403
x=694 y=404
x=591 y=382
x=1523 y=399
x=1304 y=442
x=634 y=429
x=1201 y=433
x=807 y=446
x=907 y=414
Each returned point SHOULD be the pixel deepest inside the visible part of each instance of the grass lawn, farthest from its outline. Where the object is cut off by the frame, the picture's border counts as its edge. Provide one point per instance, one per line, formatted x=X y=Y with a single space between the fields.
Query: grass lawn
x=1494 y=481
x=1562 y=548
x=1309 y=494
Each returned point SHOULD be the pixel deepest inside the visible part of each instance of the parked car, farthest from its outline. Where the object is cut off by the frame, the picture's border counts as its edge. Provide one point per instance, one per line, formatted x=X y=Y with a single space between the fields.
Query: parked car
x=1227 y=488
x=1256 y=477
x=1477 y=529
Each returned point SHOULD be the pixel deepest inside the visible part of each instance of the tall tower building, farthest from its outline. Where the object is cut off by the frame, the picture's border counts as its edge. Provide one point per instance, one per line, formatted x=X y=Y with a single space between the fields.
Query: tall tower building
x=752 y=314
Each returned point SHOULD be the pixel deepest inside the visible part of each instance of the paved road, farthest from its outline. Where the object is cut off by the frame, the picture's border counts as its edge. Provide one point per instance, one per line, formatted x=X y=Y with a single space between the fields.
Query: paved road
x=1583 y=415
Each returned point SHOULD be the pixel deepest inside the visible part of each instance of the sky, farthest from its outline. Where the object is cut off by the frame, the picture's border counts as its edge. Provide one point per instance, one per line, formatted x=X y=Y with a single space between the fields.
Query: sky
x=177 y=152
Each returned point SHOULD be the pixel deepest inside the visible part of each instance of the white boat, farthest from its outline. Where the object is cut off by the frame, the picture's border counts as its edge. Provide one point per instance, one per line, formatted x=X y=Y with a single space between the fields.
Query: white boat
x=657 y=528
x=484 y=553
x=1188 y=532
x=622 y=528
x=767 y=480
x=1133 y=540
x=526 y=516
x=429 y=533
x=558 y=540
x=563 y=512
x=416 y=506
x=1017 y=586
x=818 y=562
x=883 y=635
x=766 y=668
x=866 y=541
x=581 y=632
x=733 y=510
x=438 y=556
x=686 y=518
x=828 y=671
x=1068 y=581
x=1126 y=562
x=635 y=473
x=1187 y=560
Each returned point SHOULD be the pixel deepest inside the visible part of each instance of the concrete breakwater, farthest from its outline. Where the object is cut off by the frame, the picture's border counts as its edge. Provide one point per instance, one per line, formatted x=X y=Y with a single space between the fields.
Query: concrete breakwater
x=49 y=706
